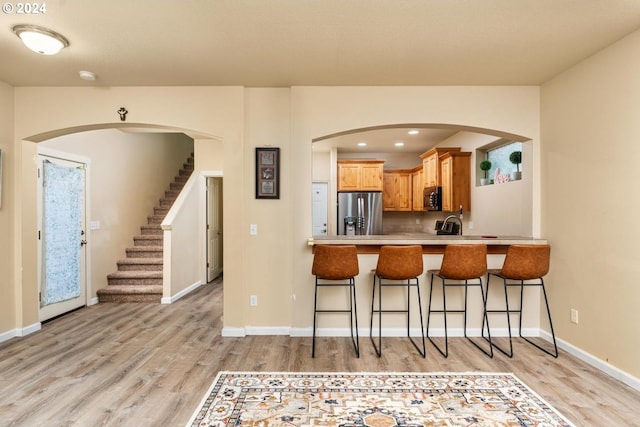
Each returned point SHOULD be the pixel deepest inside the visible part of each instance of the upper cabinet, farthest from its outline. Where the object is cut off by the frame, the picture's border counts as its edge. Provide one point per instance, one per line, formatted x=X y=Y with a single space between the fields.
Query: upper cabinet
x=431 y=165
x=360 y=175
x=417 y=186
x=455 y=170
x=397 y=195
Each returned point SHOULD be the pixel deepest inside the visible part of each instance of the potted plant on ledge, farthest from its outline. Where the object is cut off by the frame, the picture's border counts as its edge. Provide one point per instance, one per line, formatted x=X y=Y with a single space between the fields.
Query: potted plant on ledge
x=516 y=159
x=485 y=165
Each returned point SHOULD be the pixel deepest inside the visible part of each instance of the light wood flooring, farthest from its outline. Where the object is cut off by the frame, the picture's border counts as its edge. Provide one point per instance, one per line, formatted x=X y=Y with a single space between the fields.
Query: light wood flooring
x=150 y=365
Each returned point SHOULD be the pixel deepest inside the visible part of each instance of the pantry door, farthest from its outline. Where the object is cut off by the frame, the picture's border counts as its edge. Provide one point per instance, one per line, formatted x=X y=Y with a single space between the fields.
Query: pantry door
x=62 y=237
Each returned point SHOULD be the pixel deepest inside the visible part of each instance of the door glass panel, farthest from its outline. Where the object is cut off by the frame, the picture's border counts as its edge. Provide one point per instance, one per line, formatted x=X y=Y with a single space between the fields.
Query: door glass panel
x=63 y=201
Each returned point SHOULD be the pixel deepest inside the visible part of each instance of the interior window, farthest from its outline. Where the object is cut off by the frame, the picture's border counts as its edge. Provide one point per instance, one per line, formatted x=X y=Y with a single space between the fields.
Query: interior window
x=499 y=158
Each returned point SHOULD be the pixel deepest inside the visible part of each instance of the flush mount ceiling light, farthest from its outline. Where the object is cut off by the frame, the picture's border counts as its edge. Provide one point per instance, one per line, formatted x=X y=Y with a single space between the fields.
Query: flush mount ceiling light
x=87 y=75
x=362 y=144
x=40 y=40
x=413 y=132
x=399 y=144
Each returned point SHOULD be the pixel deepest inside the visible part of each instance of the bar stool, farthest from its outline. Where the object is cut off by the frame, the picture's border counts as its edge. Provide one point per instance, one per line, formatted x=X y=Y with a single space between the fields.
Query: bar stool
x=460 y=263
x=523 y=263
x=397 y=263
x=336 y=266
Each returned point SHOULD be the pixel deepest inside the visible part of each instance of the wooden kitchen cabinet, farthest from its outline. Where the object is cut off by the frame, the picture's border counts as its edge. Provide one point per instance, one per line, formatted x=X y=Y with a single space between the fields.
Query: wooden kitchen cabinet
x=360 y=175
x=396 y=195
x=455 y=169
x=417 y=186
x=431 y=165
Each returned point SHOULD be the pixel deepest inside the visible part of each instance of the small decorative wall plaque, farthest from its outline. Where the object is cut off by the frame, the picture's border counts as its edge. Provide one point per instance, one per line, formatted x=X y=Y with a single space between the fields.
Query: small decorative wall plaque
x=267 y=173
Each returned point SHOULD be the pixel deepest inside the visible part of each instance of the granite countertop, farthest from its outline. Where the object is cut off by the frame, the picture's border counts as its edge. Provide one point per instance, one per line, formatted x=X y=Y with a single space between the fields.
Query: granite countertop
x=422 y=239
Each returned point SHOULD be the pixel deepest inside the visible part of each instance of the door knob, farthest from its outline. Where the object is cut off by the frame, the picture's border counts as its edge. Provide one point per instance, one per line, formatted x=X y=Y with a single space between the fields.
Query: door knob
x=83 y=242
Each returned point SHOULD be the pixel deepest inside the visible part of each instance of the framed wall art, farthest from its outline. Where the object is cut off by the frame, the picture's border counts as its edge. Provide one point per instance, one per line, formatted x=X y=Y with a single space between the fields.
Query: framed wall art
x=267 y=173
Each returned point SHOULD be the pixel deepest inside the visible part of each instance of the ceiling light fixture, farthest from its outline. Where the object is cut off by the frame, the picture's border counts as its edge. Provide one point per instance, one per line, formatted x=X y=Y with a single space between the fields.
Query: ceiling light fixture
x=87 y=75
x=413 y=132
x=40 y=40
x=399 y=144
x=362 y=144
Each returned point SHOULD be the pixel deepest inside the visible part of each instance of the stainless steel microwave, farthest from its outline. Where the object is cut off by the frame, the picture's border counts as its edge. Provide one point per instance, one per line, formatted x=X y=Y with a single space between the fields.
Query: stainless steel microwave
x=433 y=198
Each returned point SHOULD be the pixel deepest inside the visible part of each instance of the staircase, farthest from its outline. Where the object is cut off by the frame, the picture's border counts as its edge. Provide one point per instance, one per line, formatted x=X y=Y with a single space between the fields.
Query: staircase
x=139 y=275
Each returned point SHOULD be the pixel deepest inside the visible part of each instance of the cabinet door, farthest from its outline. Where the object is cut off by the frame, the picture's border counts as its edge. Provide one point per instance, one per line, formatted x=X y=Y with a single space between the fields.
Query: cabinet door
x=371 y=177
x=349 y=176
x=417 y=202
x=431 y=170
x=403 y=191
x=389 y=191
x=456 y=182
x=396 y=195
x=446 y=167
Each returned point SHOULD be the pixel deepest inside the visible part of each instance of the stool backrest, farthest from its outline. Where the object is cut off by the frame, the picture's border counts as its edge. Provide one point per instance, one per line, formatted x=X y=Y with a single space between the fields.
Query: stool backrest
x=463 y=262
x=400 y=262
x=335 y=262
x=526 y=262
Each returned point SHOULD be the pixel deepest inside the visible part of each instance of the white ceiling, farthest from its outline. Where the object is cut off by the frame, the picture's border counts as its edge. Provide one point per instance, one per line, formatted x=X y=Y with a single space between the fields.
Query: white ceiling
x=314 y=42
x=281 y=43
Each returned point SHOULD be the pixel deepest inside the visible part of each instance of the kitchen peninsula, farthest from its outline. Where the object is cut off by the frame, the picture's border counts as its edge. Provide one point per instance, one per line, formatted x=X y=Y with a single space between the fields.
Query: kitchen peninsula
x=431 y=243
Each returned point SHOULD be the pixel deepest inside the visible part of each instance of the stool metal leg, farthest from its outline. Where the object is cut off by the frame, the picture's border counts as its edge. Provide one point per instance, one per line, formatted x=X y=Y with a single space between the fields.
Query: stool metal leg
x=508 y=313
x=445 y=311
x=378 y=346
x=353 y=313
x=353 y=318
x=546 y=301
x=445 y=353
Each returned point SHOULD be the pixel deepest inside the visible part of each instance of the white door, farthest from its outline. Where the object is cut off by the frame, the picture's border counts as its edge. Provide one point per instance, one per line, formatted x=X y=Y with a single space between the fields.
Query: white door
x=320 y=209
x=214 y=228
x=62 y=237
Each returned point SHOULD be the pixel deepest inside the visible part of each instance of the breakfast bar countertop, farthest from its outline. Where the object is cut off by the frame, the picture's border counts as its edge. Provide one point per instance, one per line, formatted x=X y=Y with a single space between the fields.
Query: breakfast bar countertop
x=431 y=243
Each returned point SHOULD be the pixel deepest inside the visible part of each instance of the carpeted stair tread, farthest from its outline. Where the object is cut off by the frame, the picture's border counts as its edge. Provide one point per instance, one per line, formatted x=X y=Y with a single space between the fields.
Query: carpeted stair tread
x=151 y=230
x=137 y=274
x=140 y=264
x=148 y=240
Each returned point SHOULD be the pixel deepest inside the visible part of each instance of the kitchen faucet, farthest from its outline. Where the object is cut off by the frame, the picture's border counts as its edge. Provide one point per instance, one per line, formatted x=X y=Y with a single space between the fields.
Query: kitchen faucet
x=459 y=219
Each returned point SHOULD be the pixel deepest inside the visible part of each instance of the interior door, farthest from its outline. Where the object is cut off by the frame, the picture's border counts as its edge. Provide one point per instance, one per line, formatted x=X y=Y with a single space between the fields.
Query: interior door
x=214 y=228
x=62 y=238
x=320 y=209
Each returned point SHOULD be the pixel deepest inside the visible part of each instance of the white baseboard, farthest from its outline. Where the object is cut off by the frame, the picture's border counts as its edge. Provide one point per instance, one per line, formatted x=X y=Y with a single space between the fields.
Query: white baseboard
x=234 y=332
x=176 y=297
x=401 y=332
x=270 y=330
x=600 y=364
x=20 y=332
x=93 y=301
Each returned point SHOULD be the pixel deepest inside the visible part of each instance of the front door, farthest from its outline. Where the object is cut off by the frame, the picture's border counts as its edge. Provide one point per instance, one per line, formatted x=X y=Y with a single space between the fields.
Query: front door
x=214 y=228
x=62 y=238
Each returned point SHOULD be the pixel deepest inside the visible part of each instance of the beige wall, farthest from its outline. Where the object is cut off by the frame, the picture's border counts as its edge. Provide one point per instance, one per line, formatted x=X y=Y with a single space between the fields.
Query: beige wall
x=129 y=173
x=7 y=227
x=590 y=156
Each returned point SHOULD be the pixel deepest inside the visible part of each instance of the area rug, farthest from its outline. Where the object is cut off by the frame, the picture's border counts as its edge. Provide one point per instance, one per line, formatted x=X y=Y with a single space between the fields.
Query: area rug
x=273 y=399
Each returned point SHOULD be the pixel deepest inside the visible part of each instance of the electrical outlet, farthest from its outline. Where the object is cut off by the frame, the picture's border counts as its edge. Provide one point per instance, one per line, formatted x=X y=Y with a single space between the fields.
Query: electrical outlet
x=574 y=316
x=253 y=300
x=253 y=229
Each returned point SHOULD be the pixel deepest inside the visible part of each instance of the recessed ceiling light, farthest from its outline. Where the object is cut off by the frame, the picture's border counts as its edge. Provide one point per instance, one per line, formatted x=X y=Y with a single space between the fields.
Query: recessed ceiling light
x=362 y=144
x=87 y=75
x=40 y=40
x=399 y=144
x=413 y=132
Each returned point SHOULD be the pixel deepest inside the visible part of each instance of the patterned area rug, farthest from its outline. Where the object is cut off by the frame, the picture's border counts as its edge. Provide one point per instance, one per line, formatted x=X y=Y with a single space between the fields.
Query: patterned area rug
x=372 y=399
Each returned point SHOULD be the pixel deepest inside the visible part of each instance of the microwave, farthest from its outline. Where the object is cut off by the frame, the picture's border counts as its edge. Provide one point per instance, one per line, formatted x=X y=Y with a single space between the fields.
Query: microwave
x=433 y=198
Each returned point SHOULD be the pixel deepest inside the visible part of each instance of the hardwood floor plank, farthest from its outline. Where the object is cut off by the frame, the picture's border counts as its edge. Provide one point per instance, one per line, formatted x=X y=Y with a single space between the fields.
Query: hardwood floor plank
x=150 y=364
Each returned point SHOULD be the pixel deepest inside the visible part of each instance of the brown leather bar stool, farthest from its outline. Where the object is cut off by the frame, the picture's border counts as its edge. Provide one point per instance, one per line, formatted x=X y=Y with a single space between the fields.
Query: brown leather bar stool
x=336 y=266
x=398 y=266
x=523 y=263
x=460 y=265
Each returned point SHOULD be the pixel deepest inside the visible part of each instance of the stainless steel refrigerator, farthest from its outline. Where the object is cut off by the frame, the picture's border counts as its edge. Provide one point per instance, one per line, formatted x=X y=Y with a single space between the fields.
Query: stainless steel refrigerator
x=360 y=213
